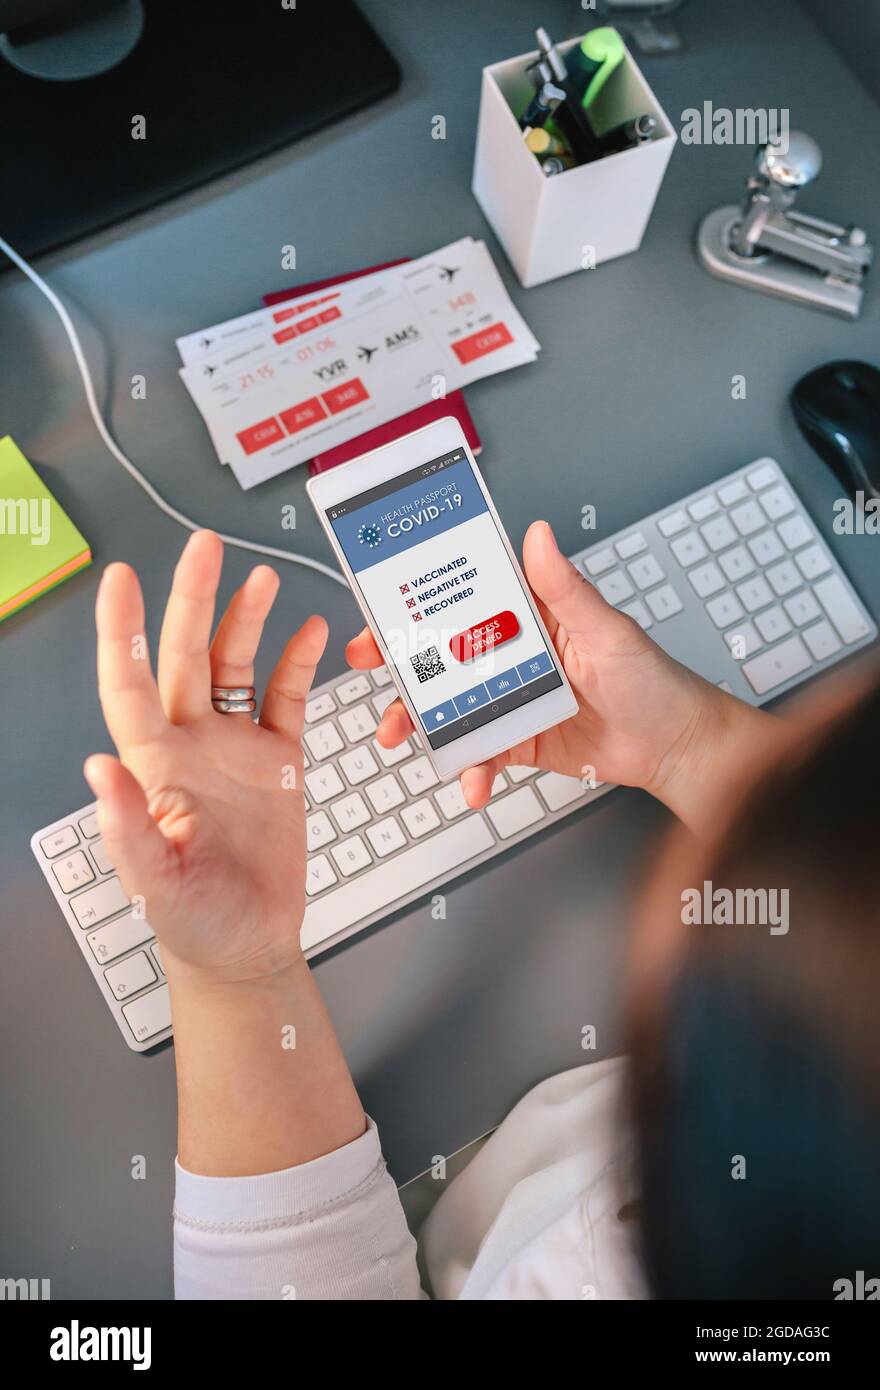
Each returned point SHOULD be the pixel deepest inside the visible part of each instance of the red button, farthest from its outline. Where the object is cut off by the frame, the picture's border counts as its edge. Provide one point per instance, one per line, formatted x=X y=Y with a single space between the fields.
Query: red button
x=341 y=397
x=484 y=637
x=260 y=436
x=327 y=315
x=478 y=344
x=298 y=417
x=284 y=335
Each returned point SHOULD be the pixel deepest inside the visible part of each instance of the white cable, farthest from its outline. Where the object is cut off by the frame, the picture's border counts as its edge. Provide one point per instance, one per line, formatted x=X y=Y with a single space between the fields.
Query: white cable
x=114 y=448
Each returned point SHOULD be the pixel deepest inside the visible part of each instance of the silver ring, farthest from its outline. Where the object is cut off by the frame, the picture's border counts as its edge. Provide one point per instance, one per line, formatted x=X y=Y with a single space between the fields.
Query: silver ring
x=233 y=699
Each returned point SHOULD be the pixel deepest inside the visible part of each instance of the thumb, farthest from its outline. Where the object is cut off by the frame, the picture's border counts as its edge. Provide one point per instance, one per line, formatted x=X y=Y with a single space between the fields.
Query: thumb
x=136 y=845
x=568 y=596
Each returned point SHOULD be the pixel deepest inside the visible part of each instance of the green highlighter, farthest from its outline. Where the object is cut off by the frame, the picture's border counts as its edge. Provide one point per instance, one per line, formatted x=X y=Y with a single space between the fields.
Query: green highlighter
x=593 y=61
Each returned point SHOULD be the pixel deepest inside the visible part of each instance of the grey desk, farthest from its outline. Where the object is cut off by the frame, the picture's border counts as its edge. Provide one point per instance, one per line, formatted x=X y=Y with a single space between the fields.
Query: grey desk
x=445 y=1023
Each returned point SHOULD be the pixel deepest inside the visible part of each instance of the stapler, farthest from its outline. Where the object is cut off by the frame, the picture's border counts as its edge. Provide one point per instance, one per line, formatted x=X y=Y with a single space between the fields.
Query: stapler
x=766 y=245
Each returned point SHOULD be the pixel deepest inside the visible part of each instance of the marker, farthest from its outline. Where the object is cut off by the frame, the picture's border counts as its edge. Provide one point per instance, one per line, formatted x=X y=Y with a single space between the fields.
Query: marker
x=545 y=101
x=541 y=142
x=557 y=163
x=592 y=61
x=628 y=134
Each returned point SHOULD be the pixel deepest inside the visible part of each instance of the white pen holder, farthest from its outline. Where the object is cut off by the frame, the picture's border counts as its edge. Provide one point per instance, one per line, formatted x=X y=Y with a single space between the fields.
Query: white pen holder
x=551 y=225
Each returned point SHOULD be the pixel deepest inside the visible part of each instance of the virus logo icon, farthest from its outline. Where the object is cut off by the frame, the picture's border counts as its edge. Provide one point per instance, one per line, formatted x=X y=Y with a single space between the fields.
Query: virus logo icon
x=370 y=535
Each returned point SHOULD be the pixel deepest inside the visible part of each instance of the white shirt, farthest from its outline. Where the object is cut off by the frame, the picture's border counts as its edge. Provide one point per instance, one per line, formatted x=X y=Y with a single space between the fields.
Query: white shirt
x=536 y=1214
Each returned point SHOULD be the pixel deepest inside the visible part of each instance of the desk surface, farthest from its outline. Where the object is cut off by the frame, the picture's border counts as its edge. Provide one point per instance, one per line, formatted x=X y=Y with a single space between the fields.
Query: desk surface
x=446 y=1024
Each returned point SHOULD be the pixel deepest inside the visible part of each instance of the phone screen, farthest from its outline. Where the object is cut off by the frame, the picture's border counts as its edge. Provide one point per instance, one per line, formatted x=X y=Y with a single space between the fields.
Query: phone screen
x=437 y=580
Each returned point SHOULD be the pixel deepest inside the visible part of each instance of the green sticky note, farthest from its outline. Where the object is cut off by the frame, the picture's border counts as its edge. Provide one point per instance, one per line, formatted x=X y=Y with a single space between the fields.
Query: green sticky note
x=39 y=544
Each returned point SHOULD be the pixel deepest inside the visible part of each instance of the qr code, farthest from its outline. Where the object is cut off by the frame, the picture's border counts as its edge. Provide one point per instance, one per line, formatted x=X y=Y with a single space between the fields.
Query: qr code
x=427 y=664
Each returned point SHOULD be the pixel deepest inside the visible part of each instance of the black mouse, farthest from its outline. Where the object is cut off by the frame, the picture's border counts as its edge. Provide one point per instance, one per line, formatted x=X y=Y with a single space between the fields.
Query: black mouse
x=837 y=407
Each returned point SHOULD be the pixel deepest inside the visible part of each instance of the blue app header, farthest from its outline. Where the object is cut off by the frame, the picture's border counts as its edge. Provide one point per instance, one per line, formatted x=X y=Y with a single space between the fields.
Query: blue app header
x=414 y=513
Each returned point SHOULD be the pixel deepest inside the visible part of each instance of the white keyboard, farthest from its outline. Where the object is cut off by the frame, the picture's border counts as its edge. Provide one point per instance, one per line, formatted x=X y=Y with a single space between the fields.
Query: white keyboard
x=734 y=581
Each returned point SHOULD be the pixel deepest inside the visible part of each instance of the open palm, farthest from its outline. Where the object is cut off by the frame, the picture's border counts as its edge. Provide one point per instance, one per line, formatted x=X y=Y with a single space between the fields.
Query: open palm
x=203 y=813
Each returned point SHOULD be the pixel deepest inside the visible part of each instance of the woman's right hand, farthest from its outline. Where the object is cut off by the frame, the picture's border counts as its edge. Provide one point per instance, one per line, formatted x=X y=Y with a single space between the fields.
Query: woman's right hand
x=643 y=719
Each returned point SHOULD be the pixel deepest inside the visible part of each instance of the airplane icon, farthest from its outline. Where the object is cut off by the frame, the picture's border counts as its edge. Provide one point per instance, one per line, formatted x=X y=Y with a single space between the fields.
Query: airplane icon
x=449 y=272
x=205 y=342
x=209 y=370
x=365 y=353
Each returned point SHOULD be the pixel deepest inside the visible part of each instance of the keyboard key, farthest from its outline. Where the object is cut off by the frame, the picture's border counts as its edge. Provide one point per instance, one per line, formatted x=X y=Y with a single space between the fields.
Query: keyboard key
x=777 y=502
x=743 y=640
x=615 y=587
x=841 y=608
x=733 y=492
x=358 y=688
x=149 y=1015
x=645 y=572
x=748 y=518
x=706 y=579
x=319 y=875
x=89 y=826
x=664 y=602
x=763 y=475
x=672 y=523
x=420 y=818
x=822 y=640
x=381 y=676
x=794 y=532
x=385 y=794
x=319 y=707
x=775 y=667
x=156 y=953
x=387 y=883
x=802 y=608
x=766 y=548
x=737 y=564
x=73 y=872
x=784 y=578
x=499 y=785
x=772 y=624
x=639 y=612
x=385 y=837
x=59 y=841
x=689 y=549
x=389 y=757
x=351 y=855
x=101 y=856
x=118 y=937
x=703 y=507
x=558 y=791
x=724 y=610
x=95 y=904
x=631 y=545
x=599 y=562
x=812 y=562
x=323 y=741
x=351 y=812
x=517 y=774
x=514 y=812
x=381 y=701
x=418 y=776
x=357 y=724
x=130 y=976
x=323 y=783
x=755 y=593
x=319 y=831
x=718 y=533
x=358 y=765
x=450 y=799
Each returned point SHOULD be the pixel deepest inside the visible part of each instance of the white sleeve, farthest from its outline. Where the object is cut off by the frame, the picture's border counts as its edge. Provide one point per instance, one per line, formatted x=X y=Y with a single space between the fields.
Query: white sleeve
x=330 y=1229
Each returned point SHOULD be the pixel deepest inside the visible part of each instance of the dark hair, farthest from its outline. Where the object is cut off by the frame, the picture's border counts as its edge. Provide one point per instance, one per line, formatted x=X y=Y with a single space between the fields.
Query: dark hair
x=755 y=1085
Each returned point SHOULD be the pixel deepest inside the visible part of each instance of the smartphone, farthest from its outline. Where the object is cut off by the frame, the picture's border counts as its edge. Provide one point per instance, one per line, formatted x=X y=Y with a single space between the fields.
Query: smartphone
x=436 y=578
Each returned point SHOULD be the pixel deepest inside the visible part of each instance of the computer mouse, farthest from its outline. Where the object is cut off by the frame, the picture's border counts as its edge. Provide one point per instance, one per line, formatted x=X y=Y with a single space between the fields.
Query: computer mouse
x=837 y=407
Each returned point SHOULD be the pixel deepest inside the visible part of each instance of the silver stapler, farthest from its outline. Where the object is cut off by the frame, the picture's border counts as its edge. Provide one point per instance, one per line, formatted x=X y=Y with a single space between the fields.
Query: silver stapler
x=766 y=245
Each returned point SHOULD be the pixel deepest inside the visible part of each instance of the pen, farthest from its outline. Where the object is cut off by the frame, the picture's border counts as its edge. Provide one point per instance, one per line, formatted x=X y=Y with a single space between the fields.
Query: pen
x=627 y=134
x=545 y=101
x=557 y=163
x=541 y=142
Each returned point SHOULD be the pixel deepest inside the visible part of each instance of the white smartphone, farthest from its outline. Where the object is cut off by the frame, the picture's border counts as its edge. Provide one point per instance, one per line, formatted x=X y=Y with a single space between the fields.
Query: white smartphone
x=436 y=579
